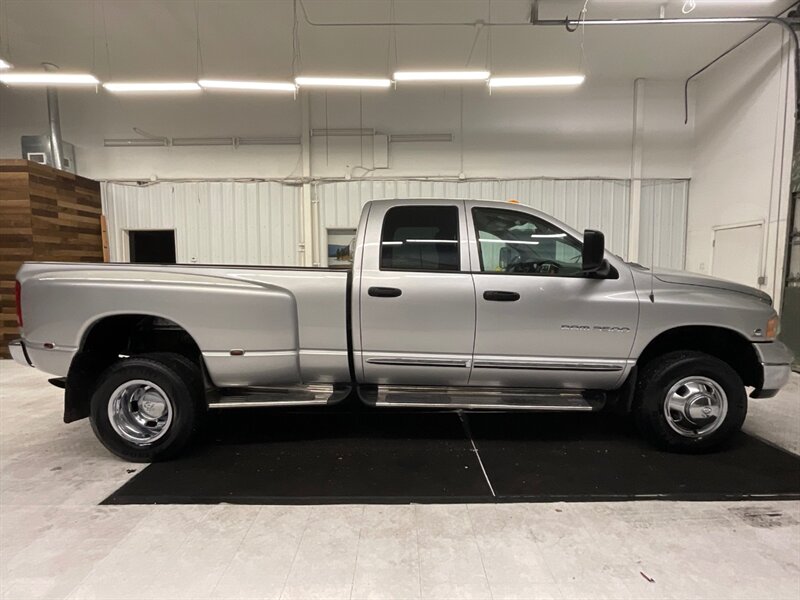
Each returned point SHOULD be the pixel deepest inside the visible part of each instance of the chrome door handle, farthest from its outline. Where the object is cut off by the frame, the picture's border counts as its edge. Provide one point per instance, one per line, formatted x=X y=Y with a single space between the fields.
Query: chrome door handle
x=384 y=292
x=498 y=296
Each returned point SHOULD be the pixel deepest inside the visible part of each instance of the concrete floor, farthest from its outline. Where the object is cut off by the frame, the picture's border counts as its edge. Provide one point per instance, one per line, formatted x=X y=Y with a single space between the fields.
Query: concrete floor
x=55 y=542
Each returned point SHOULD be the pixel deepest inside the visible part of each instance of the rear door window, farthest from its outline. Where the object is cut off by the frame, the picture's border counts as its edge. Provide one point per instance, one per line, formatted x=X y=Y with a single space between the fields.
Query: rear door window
x=420 y=238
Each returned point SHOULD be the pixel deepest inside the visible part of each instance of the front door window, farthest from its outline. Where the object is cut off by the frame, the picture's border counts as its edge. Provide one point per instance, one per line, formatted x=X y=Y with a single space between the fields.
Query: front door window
x=514 y=242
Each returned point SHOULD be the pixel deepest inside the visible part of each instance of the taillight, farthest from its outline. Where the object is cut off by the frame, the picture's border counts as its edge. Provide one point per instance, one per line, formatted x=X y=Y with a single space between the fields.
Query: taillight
x=18 y=299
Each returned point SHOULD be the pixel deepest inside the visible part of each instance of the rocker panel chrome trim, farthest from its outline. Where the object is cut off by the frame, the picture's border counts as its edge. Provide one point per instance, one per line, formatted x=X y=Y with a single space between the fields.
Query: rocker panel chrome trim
x=409 y=361
x=314 y=394
x=482 y=398
x=549 y=365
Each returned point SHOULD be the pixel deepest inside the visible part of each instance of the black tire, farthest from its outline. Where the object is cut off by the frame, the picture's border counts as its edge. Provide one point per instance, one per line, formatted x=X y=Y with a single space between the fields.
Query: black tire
x=656 y=380
x=182 y=384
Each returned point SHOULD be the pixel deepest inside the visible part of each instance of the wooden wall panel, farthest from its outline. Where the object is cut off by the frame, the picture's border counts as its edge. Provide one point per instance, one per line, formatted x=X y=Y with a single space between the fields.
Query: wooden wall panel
x=45 y=214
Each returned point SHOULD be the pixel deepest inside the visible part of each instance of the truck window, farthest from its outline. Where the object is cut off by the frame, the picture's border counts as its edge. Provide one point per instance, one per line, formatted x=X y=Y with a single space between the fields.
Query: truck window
x=516 y=242
x=420 y=238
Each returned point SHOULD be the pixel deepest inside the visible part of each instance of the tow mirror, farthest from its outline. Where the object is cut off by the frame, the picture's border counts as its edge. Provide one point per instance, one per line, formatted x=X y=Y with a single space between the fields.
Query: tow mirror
x=594 y=247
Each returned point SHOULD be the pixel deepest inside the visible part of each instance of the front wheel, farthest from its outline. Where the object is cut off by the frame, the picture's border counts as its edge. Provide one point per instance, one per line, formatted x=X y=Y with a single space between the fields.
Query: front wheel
x=147 y=408
x=689 y=401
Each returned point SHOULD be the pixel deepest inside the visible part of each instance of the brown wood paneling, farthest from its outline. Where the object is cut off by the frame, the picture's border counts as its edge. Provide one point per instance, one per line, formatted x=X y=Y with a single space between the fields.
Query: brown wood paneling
x=45 y=214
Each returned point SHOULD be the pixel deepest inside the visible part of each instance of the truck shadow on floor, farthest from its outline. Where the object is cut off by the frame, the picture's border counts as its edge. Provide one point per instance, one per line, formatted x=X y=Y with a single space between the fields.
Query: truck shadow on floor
x=356 y=454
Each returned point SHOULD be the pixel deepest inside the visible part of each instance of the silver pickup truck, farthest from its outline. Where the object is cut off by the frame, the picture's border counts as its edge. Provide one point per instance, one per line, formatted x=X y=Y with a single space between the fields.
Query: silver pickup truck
x=449 y=304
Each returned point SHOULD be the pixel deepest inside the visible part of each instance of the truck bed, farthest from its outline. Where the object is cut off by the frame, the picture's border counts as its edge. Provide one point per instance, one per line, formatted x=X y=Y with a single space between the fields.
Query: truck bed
x=255 y=326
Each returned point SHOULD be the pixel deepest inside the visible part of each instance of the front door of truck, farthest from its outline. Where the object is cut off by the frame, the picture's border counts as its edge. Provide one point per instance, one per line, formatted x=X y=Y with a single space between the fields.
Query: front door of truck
x=415 y=296
x=541 y=322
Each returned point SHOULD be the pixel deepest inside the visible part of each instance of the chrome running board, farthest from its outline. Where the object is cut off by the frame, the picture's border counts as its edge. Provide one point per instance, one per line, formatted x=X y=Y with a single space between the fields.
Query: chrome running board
x=298 y=395
x=482 y=398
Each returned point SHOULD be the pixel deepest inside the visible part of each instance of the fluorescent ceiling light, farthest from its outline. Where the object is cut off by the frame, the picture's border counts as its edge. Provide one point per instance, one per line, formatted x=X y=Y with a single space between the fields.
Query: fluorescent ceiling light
x=15 y=78
x=153 y=87
x=4 y=64
x=134 y=142
x=204 y=141
x=441 y=75
x=420 y=137
x=356 y=82
x=343 y=132
x=498 y=241
x=538 y=81
x=270 y=140
x=265 y=86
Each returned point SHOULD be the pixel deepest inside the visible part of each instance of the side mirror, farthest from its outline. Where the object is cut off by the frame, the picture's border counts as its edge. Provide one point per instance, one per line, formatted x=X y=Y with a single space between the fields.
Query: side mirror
x=594 y=247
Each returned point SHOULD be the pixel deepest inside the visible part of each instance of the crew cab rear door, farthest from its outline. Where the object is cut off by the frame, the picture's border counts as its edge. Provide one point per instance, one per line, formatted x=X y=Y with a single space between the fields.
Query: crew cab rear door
x=415 y=295
x=541 y=321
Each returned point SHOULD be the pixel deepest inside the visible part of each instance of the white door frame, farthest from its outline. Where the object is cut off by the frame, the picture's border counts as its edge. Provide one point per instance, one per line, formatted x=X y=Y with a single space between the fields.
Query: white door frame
x=758 y=222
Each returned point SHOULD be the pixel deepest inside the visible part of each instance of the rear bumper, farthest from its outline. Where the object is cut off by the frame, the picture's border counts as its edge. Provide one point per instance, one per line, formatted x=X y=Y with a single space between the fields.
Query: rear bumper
x=18 y=353
x=776 y=365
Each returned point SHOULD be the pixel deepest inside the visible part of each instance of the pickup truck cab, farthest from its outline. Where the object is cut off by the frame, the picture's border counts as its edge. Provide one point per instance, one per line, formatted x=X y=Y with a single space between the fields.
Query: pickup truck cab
x=449 y=303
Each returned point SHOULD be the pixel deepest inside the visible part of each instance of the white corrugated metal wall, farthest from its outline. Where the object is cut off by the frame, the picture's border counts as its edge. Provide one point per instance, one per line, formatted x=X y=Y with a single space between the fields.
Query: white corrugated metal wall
x=233 y=222
x=260 y=222
x=580 y=203
x=594 y=203
x=662 y=223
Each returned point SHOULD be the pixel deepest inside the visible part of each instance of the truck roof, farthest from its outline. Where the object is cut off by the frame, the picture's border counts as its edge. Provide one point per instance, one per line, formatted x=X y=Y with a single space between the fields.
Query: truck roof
x=432 y=199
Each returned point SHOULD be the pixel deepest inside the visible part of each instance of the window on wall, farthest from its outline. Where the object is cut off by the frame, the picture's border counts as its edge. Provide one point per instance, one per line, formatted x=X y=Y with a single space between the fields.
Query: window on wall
x=341 y=247
x=152 y=246
x=514 y=242
x=420 y=238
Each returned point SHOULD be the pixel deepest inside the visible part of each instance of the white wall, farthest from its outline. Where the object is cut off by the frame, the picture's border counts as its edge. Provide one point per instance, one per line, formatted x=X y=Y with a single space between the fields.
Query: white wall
x=255 y=223
x=248 y=222
x=584 y=132
x=742 y=153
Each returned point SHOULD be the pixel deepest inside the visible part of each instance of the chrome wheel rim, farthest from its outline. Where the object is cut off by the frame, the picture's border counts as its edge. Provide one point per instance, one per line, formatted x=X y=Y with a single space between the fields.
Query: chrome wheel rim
x=140 y=412
x=695 y=406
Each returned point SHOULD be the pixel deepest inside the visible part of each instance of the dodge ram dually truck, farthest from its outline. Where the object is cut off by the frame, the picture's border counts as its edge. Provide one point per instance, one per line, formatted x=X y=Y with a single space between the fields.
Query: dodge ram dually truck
x=449 y=304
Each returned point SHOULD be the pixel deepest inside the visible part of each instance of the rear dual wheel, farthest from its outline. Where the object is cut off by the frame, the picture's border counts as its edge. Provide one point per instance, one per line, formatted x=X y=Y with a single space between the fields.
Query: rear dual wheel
x=689 y=401
x=147 y=408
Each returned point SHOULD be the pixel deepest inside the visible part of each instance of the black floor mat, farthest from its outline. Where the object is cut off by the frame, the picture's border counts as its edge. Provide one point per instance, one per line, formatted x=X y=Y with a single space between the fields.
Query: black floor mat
x=599 y=457
x=361 y=455
x=264 y=457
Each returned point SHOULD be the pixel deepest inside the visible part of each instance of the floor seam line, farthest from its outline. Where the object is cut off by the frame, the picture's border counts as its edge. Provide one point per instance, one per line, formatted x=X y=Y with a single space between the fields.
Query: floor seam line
x=419 y=561
x=85 y=578
x=480 y=552
x=477 y=452
x=294 y=558
x=358 y=548
x=235 y=552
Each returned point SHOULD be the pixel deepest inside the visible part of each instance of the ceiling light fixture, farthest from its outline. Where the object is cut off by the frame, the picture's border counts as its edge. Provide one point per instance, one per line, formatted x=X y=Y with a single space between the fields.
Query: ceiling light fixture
x=134 y=142
x=343 y=132
x=203 y=141
x=53 y=79
x=270 y=140
x=152 y=87
x=352 y=82
x=420 y=137
x=260 y=86
x=538 y=81
x=4 y=64
x=441 y=76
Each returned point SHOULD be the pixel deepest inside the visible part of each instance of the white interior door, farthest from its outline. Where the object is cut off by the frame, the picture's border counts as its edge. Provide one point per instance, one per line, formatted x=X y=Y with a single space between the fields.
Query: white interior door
x=737 y=253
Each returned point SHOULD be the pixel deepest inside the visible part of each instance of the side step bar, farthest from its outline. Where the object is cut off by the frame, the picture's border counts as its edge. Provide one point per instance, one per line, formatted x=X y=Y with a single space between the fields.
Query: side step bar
x=297 y=395
x=482 y=398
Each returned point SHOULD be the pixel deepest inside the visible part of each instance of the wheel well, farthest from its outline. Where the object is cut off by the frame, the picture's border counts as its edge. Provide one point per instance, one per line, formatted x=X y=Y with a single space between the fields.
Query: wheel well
x=112 y=337
x=134 y=334
x=725 y=344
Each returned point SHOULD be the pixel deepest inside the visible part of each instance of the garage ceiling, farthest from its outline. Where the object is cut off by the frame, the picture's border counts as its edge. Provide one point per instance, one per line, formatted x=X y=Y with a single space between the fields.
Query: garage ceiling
x=156 y=39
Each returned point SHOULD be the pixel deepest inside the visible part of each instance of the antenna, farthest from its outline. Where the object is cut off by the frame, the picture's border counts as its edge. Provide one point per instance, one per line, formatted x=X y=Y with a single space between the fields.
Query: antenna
x=653 y=247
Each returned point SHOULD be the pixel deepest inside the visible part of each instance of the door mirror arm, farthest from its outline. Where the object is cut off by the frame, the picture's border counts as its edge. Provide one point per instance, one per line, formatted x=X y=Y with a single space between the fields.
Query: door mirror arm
x=604 y=271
